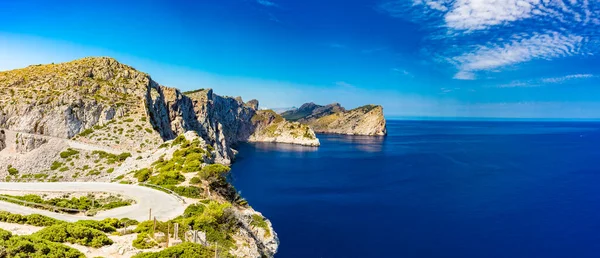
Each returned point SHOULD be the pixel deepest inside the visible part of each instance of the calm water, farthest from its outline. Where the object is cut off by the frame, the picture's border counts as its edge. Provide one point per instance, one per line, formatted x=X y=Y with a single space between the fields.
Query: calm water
x=433 y=189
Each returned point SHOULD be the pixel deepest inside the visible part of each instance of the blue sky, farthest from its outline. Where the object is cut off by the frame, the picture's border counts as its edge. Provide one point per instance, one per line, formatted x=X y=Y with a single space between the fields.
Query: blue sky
x=464 y=58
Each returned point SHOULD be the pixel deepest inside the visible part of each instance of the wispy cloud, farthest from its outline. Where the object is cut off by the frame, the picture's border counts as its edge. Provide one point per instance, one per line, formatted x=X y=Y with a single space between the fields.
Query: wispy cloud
x=567 y=78
x=489 y=35
x=547 y=81
x=402 y=72
x=545 y=46
x=266 y=3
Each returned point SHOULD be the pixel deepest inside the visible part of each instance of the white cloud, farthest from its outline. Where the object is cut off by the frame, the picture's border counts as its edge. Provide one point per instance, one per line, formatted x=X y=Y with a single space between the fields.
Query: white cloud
x=546 y=81
x=480 y=14
x=539 y=46
x=488 y=35
x=464 y=75
x=567 y=78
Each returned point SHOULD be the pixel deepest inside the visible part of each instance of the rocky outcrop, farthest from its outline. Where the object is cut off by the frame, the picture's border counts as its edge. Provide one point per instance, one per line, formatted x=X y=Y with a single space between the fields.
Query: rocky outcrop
x=86 y=95
x=221 y=121
x=271 y=127
x=2 y=140
x=333 y=118
x=62 y=100
x=26 y=142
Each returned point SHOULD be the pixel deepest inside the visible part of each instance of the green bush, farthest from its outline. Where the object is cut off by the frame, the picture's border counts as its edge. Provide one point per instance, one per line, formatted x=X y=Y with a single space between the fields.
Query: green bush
x=104 y=226
x=81 y=203
x=195 y=180
x=12 y=171
x=33 y=219
x=213 y=171
x=215 y=219
x=112 y=158
x=55 y=165
x=142 y=175
x=167 y=178
x=68 y=153
x=86 y=132
x=34 y=247
x=184 y=250
x=75 y=234
x=186 y=191
x=4 y=235
x=143 y=241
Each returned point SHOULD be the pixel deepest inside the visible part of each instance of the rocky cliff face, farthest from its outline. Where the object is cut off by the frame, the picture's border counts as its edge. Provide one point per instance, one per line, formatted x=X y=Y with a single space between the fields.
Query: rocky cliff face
x=102 y=101
x=333 y=118
x=271 y=127
x=2 y=140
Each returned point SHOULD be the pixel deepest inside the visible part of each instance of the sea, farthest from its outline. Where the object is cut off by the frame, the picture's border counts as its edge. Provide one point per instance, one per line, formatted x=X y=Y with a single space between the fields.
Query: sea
x=468 y=189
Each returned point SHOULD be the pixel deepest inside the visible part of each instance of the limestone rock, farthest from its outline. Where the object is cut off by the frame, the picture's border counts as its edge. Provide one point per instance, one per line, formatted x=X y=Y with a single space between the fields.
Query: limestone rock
x=333 y=118
x=26 y=142
x=78 y=98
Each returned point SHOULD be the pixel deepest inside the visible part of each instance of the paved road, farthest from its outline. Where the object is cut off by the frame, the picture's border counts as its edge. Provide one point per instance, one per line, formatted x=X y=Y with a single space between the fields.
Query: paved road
x=164 y=206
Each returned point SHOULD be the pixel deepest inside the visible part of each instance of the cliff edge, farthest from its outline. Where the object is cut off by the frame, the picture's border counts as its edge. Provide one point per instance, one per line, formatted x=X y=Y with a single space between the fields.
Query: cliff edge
x=333 y=118
x=104 y=102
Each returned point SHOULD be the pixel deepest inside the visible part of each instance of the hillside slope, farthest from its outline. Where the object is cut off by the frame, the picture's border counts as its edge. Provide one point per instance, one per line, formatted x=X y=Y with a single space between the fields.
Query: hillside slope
x=101 y=101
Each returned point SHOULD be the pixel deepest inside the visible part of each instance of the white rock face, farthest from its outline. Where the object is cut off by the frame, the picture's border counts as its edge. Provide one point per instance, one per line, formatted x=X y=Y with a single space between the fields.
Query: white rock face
x=64 y=100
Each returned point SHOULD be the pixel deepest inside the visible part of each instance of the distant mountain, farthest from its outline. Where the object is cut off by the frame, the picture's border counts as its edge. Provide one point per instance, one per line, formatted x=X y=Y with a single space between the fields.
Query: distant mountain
x=282 y=109
x=333 y=118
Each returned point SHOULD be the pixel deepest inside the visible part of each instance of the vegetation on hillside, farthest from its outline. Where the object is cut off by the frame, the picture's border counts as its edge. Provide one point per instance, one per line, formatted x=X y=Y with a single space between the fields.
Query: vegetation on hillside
x=85 y=203
x=33 y=247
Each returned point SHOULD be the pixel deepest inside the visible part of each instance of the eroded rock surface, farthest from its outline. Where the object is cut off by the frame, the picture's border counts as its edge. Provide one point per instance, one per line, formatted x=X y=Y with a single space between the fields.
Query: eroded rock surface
x=333 y=118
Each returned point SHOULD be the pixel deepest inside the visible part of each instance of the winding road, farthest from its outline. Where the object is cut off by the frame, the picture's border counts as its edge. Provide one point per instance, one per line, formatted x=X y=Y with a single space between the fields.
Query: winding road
x=164 y=206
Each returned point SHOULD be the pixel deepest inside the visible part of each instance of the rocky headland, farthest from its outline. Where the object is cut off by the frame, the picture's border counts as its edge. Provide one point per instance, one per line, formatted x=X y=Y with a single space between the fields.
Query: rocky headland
x=95 y=119
x=333 y=118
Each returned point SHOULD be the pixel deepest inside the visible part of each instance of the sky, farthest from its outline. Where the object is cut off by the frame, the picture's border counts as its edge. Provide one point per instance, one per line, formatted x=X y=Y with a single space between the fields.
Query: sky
x=417 y=58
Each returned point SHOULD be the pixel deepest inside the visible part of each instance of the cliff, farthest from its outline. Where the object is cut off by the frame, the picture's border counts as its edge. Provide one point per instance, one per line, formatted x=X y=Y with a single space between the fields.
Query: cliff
x=95 y=119
x=333 y=118
x=104 y=102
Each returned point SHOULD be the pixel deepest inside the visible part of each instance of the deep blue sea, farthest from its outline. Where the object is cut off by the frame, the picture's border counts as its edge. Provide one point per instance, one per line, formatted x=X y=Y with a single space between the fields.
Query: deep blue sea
x=433 y=189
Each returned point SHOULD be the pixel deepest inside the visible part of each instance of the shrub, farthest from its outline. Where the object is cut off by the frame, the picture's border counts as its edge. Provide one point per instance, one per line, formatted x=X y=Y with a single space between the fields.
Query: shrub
x=68 y=153
x=4 y=235
x=33 y=219
x=12 y=171
x=55 y=165
x=143 y=241
x=86 y=132
x=75 y=234
x=186 y=191
x=167 y=178
x=142 y=175
x=213 y=171
x=195 y=180
x=30 y=246
x=183 y=250
x=104 y=226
